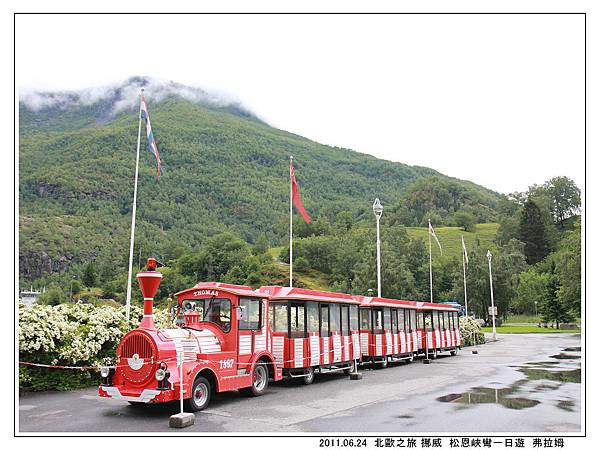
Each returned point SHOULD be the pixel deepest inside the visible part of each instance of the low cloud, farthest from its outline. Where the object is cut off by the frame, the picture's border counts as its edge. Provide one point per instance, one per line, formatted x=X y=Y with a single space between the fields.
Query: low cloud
x=125 y=95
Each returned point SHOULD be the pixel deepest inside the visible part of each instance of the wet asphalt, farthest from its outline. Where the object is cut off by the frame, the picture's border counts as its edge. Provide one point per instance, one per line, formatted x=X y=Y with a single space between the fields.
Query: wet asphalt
x=521 y=383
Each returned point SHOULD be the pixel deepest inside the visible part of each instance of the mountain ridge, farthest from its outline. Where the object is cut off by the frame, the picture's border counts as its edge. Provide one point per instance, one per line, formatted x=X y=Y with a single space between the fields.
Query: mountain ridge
x=224 y=169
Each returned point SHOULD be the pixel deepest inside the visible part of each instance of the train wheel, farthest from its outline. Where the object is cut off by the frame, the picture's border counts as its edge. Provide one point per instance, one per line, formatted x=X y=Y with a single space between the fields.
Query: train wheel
x=260 y=381
x=453 y=352
x=200 y=395
x=410 y=359
x=383 y=364
x=310 y=376
x=434 y=355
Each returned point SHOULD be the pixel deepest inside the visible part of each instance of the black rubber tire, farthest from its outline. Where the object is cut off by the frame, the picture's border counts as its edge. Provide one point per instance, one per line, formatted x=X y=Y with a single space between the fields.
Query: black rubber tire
x=453 y=352
x=383 y=364
x=309 y=378
x=260 y=380
x=201 y=393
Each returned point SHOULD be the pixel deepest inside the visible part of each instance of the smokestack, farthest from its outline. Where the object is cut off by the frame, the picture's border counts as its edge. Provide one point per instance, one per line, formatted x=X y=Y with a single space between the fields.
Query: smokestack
x=149 y=282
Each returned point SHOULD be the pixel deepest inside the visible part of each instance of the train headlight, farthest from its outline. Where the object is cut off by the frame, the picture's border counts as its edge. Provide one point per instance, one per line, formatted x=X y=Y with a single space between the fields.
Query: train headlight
x=160 y=375
x=104 y=371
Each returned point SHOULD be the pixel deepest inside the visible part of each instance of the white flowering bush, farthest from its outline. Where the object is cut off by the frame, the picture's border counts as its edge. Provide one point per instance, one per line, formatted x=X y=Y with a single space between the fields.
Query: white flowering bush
x=470 y=332
x=72 y=335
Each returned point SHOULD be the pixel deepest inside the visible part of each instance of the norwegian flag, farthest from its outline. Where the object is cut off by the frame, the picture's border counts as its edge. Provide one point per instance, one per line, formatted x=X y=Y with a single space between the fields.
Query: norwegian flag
x=152 y=148
x=296 y=196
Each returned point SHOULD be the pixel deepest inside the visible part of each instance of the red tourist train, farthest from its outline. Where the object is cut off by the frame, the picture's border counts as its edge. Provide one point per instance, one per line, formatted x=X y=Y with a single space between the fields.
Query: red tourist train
x=232 y=337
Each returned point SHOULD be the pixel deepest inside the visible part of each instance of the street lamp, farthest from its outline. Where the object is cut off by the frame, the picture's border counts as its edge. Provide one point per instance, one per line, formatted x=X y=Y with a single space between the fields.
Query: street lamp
x=489 y=257
x=535 y=304
x=71 y=290
x=378 y=211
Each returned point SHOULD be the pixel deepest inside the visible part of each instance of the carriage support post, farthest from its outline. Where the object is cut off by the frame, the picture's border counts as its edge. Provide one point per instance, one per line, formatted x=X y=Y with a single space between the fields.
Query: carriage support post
x=182 y=419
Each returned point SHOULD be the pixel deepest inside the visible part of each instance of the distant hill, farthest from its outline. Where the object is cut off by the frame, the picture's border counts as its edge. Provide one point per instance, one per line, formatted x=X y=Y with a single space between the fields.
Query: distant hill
x=223 y=169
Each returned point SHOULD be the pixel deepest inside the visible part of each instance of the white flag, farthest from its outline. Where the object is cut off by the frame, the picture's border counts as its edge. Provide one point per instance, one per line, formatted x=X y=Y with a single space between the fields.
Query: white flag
x=465 y=250
x=433 y=234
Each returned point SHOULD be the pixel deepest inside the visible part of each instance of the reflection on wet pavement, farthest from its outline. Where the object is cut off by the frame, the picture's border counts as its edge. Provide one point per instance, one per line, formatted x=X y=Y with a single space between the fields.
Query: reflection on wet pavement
x=501 y=396
x=565 y=356
x=565 y=376
x=544 y=376
x=567 y=405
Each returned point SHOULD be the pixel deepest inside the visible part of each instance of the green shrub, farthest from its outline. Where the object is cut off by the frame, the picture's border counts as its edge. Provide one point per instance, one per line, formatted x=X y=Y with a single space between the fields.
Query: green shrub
x=75 y=334
x=470 y=332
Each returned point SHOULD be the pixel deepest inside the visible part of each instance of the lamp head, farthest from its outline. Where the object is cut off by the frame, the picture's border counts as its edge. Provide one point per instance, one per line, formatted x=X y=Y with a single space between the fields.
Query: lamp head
x=377 y=208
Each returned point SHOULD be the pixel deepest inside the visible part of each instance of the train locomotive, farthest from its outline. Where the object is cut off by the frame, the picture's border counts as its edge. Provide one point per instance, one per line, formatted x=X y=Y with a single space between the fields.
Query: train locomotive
x=231 y=337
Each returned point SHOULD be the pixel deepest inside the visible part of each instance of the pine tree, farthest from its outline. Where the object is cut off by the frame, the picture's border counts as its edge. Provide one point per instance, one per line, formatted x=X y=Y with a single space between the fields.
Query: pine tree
x=531 y=232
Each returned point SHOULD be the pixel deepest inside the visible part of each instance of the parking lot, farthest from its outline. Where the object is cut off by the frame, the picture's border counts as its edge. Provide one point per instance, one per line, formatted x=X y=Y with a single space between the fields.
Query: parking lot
x=521 y=383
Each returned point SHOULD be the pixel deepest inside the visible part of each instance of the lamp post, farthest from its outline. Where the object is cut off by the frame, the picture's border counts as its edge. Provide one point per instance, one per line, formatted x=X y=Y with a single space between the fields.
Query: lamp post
x=71 y=290
x=535 y=305
x=378 y=211
x=489 y=257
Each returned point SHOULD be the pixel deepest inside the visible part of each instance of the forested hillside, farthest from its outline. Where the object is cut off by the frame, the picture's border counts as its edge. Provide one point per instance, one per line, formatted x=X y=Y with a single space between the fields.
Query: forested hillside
x=223 y=169
x=220 y=211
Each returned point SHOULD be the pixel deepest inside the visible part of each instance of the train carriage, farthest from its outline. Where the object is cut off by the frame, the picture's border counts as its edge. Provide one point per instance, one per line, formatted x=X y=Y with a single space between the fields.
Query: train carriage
x=438 y=329
x=387 y=329
x=313 y=331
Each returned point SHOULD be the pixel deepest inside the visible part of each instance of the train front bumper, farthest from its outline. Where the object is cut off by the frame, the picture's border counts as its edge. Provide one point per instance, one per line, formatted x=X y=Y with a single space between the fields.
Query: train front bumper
x=141 y=396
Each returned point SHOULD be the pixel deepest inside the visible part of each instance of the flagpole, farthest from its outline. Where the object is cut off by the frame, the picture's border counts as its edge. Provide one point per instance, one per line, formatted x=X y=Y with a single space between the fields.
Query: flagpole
x=133 y=211
x=465 y=276
x=430 y=272
x=291 y=211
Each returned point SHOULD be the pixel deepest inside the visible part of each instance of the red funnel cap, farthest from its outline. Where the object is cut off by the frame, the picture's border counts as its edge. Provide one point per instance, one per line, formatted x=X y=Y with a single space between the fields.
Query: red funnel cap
x=149 y=282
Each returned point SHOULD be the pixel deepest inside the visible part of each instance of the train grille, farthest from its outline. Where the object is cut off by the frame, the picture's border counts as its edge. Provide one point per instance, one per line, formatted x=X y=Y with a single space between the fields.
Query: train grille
x=136 y=370
x=136 y=344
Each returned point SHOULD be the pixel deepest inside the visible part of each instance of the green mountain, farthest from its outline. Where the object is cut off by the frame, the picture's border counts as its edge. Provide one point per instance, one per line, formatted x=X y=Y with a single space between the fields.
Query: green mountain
x=223 y=169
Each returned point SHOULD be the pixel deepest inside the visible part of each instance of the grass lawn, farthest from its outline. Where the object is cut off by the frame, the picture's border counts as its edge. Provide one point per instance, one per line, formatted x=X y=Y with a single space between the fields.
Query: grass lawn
x=450 y=237
x=527 y=329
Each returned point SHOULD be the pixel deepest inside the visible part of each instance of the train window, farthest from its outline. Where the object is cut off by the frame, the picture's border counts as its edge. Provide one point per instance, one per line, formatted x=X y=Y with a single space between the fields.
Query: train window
x=252 y=319
x=448 y=320
x=280 y=317
x=387 y=315
x=427 y=317
x=377 y=321
x=436 y=320
x=394 y=320
x=345 y=320
x=218 y=311
x=420 y=319
x=334 y=317
x=442 y=316
x=353 y=318
x=365 y=319
x=401 y=324
x=312 y=315
x=324 y=320
x=297 y=320
x=413 y=319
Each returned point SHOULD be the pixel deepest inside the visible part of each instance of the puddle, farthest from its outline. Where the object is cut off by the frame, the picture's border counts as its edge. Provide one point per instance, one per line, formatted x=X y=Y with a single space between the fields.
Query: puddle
x=501 y=396
x=547 y=387
x=567 y=405
x=564 y=376
x=542 y=363
x=405 y=416
x=565 y=356
x=572 y=349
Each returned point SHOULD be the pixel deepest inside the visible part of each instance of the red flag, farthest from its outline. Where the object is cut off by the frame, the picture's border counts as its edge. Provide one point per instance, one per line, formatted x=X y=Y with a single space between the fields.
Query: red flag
x=296 y=196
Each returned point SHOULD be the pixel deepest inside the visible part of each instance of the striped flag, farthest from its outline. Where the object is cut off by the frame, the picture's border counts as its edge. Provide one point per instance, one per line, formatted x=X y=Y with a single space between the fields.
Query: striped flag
x=464 y=249
x=432 y=232
x=296 y=196
x=152 y=148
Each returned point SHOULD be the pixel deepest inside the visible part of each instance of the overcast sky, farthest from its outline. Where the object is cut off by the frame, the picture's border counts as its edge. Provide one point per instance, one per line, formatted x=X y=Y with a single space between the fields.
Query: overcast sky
x=498 y=100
